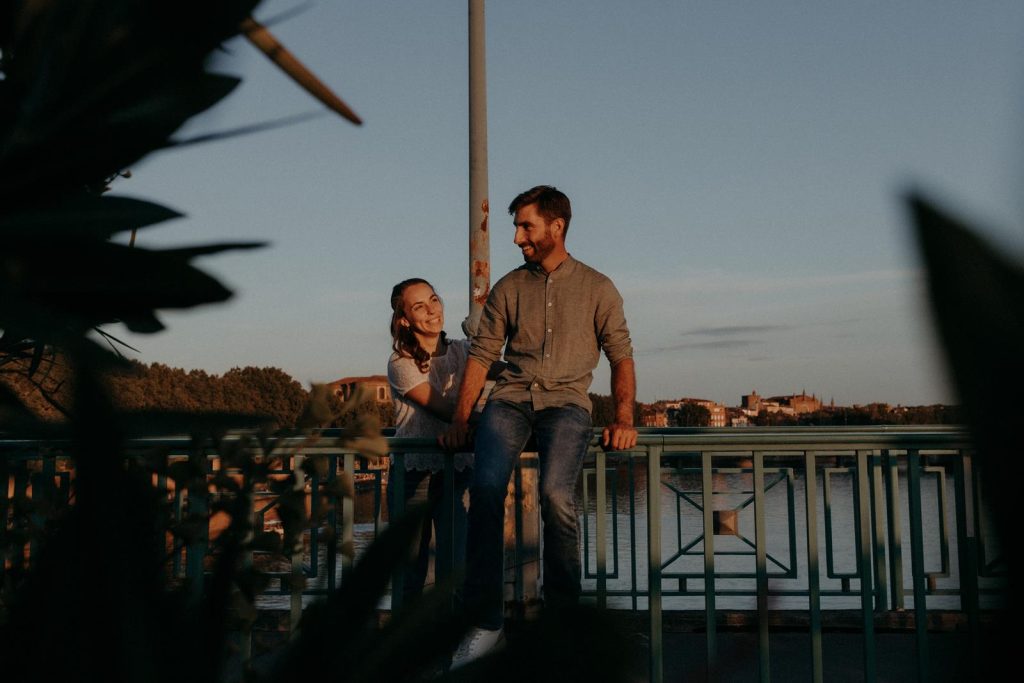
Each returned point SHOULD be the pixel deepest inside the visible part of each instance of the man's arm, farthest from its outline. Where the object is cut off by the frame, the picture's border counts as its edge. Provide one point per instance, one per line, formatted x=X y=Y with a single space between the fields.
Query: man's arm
x=473 y=380
x=621 y=435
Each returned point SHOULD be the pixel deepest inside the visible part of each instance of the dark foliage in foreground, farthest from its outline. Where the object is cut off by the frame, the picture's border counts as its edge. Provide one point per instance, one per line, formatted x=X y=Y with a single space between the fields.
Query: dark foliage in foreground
x=88 y=89
x=977 y=301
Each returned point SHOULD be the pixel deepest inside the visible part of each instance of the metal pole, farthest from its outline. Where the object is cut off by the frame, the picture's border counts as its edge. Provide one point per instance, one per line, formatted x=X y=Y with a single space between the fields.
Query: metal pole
x=479 y=209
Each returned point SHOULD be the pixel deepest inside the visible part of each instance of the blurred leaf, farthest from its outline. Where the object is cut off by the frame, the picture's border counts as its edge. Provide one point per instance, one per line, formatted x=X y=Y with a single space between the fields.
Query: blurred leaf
x=241 y=130
x=85 y=216
x=316 y=466
x=977 y=301
x=333 y=633
x=317 y=411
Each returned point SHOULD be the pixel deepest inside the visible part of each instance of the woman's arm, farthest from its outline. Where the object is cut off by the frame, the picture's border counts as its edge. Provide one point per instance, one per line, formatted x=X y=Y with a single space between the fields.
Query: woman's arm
x=426 y=396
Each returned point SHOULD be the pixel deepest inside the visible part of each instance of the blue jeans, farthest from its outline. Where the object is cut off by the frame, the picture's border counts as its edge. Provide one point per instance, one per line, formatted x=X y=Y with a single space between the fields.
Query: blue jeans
x=562 y=435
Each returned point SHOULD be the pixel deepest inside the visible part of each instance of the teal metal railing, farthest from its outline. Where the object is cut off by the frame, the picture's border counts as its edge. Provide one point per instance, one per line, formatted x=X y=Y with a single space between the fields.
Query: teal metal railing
x=691 y=519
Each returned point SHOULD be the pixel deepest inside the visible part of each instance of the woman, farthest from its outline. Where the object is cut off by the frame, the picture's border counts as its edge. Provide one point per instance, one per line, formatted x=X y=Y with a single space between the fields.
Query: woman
x=425 y=371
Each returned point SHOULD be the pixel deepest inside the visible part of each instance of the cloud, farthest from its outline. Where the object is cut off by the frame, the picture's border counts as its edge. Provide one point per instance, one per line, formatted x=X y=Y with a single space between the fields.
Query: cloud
x=720 y=345
x=729 y=330
x=726 y=283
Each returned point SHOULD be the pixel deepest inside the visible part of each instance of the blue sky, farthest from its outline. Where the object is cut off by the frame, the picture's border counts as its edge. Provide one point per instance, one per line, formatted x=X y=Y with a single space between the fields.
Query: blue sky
x=735 y=167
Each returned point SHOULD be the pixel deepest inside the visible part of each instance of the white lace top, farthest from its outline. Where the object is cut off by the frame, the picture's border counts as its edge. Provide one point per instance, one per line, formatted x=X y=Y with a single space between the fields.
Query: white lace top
x=413 y=420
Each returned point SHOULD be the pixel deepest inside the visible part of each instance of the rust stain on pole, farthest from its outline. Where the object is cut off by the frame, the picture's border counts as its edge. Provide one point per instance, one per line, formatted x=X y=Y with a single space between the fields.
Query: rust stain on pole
x=479 y=207
x=480 y=270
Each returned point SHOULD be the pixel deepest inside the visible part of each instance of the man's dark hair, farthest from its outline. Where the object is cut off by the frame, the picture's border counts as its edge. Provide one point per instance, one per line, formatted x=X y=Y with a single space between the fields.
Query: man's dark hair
x=551 y=203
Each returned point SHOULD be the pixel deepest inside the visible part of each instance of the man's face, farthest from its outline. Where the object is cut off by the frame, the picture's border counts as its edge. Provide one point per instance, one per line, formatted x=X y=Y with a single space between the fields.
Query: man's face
x=533 y=234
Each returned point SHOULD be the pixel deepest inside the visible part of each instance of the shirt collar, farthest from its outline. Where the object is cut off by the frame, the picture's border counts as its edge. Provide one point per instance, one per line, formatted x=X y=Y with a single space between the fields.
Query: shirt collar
x=563 y=269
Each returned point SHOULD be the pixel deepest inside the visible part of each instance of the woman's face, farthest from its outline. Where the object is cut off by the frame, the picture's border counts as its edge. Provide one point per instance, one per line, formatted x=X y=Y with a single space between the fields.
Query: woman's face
x=422 y=310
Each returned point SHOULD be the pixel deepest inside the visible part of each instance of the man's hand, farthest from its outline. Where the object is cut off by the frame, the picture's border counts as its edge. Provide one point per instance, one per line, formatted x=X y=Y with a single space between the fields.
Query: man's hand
x=457 y=437
x=618 y=437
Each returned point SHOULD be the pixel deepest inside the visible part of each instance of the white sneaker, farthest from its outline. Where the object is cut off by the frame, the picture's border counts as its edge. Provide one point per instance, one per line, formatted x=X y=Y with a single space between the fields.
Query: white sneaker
x=476 y=644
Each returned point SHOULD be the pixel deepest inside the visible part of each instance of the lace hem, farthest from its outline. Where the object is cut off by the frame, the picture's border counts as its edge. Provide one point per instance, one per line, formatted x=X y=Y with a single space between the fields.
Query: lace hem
x=434 y=462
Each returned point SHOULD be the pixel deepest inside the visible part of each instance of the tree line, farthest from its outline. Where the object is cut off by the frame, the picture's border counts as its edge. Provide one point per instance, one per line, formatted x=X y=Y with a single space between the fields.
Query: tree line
x=265 y=392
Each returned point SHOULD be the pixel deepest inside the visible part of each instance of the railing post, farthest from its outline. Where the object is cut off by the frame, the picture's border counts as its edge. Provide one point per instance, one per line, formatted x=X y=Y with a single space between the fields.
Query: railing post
x=813 y=573
x=601 y=530
x=655 y=663
x=878 y=531
x=396 y=508
x=198 y=508
x=917 y=561
x=967 y=547
x=862 y=515
x=297 y=578
x=895 y=533
x=760 y=550
x=445 y=543
x=710 y=615
x=332 y=525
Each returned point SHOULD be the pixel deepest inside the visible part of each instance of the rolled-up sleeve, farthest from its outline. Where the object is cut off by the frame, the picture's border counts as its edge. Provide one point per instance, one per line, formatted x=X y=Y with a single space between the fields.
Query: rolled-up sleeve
x=490 y=334
x=610 y=322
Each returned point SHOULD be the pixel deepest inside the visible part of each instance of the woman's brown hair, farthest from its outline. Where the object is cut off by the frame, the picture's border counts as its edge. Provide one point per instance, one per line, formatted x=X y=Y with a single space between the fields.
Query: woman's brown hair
x=404 y=342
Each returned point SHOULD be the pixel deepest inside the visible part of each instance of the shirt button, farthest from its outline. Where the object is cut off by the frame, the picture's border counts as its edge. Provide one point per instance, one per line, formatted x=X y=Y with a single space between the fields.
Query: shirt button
x=547 y=355
x=549 y=303
x=549 y=330
x=534 y=386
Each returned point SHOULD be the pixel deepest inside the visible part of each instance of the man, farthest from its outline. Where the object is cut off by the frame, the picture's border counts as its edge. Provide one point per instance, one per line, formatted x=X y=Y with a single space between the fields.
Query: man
x=553 y=316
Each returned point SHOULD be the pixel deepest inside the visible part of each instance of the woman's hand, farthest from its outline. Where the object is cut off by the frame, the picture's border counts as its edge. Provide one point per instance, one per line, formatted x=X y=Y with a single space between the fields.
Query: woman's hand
x=458 y=436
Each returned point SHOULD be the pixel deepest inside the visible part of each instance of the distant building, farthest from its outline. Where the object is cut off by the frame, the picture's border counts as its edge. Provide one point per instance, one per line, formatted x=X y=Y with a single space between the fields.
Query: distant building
x=377 y=385
x=653 y=416
x=794 y=404
x=799 y=403
x=716 y=410
x=751 y=402
x=737 y=417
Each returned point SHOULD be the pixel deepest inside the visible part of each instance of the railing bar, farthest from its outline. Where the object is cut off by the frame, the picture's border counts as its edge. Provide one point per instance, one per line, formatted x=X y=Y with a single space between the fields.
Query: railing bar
x=878 y=530
x=760 y=534
x=710 y=616
x=245 y=644
x=943 y=521
x=332 y=526
x=445 y=543
x=314 y=528
x=892 y=501
x=827 y=503
x=813 y=572
x=969 y=566
x=519 y=587
x=198 y=506
x=396 y=508
x=601 y=530
x=656 y=664
x=917 y=561
x=862 y=517
x=296 y=584
x=632 y=535
x=348 y=516
x=791 y=502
